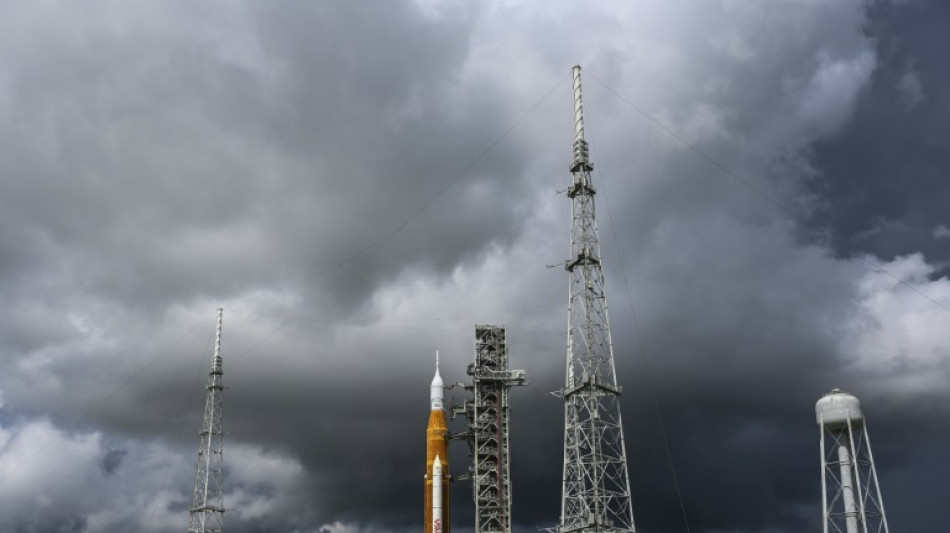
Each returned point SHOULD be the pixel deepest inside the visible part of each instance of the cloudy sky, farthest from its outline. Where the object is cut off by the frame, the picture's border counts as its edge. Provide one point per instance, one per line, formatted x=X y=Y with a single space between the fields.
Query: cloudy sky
x=358 y=184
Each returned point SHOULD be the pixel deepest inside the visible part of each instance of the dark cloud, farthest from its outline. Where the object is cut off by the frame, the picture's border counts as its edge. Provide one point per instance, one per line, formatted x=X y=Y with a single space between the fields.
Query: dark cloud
x=111 y=460
x=359 y=184
x=886 y=170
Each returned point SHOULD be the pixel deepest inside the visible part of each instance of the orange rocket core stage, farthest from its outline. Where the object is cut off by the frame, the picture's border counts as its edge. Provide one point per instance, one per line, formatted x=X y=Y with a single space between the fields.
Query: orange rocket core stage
x=437 y=444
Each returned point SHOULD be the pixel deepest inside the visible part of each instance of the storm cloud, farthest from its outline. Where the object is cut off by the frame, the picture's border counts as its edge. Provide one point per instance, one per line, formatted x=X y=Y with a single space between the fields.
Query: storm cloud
x=358 y=183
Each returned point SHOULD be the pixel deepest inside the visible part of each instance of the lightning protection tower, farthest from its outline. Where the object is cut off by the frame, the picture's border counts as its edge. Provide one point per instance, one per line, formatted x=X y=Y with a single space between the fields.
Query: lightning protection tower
x=206 y=514
x=596 y=486
x=851 y=495
x=487 y=433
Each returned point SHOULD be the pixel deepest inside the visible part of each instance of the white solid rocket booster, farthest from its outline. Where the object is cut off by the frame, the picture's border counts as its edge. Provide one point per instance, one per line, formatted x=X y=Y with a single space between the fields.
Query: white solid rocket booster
x=437 y=495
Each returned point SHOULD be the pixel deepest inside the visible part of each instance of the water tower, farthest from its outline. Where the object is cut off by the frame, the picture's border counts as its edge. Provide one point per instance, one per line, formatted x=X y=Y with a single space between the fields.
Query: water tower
x=851 y=494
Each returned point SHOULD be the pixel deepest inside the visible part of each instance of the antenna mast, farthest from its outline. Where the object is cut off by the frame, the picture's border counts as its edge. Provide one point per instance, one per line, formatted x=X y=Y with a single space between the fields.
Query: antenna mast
x=596 y=486
x=206 y=514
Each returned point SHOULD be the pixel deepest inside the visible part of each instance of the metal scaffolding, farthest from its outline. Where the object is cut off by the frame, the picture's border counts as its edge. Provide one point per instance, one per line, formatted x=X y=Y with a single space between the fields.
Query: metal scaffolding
x=206 y=514
x=596 y=486
x=487 y=433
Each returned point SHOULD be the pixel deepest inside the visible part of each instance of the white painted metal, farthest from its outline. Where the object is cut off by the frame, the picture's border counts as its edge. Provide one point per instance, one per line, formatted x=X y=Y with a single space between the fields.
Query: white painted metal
x=837 y=408
x=437 y=389
x=845 y=466
x=206 y=514
x=851 y=494
x=596 y=484
x=488 y=429
x=824 y=478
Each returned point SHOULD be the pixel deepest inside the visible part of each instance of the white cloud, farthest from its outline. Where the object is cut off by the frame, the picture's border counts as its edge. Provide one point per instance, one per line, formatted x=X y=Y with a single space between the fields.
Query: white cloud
x=41 y=468
x=827 y=99
x=899 y=339
x=45 y=473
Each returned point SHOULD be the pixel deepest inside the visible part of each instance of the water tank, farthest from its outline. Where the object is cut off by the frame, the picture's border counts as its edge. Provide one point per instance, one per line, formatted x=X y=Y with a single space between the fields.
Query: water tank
x=835 y=408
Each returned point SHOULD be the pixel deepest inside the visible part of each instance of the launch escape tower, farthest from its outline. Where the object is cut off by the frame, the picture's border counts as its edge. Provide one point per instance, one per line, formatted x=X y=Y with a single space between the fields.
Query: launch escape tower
x=851 y=495
x=596 y=486
x=206 y=514
x=487 y=433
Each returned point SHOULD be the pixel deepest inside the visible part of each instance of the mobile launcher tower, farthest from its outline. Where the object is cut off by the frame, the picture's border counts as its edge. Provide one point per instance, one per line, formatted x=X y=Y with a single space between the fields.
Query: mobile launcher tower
x=488 y=424
x=851 y=495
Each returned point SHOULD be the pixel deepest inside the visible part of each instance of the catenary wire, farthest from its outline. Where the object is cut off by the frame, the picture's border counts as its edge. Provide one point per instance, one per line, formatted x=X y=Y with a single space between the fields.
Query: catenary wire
x=123 y=383
x=82 y=466
x=189 y=399
x=130 y=379
x=640 y=343
x=724 y=169
x=370 y=325
x=442 y=190
x=415 y=214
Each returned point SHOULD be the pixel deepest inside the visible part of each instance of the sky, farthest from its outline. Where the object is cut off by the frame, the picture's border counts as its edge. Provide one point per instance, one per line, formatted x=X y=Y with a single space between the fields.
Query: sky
x=357 y=184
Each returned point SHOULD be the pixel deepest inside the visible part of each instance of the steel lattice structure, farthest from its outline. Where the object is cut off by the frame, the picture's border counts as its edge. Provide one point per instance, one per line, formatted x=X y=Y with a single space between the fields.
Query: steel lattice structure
x=487 y=435
x=851 y=494
x=596 y=486
x=206 y=514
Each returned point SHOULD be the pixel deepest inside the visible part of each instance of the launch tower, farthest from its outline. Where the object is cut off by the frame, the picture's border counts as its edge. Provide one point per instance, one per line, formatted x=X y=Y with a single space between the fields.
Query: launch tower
x=851 y=495
x=206 y=514
x=596 y=486
x=487 y=433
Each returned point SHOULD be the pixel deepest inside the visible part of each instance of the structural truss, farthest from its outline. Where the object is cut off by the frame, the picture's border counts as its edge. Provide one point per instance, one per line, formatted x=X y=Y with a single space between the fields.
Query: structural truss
x=206 y=514
x=596 y=487
x=487 y=433
x=850 y=490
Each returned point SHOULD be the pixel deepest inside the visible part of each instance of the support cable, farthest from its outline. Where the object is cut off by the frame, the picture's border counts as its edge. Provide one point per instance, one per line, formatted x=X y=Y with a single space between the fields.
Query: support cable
x=123 y=383
x=442 y=190
x=641 y=345
x=725 y=170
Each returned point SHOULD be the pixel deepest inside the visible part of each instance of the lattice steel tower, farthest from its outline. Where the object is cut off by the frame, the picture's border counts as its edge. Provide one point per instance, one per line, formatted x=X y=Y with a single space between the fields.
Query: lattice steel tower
x=850 y=492
x=596 y=486
x=206 y=514
x=487 y=435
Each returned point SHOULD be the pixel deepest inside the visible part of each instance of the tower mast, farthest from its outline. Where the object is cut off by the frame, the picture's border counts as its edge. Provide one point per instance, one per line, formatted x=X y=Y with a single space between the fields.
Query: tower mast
x=596 y=486
x=488 y=415
x=206 y=514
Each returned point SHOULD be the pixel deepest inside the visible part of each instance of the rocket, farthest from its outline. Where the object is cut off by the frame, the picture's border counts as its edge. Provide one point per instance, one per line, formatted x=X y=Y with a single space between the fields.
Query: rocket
x=437 y=460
